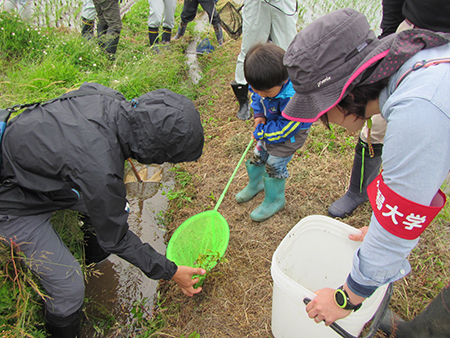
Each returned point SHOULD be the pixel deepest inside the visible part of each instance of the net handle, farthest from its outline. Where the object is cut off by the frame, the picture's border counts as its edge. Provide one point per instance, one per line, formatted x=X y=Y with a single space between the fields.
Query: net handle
x=232 y=176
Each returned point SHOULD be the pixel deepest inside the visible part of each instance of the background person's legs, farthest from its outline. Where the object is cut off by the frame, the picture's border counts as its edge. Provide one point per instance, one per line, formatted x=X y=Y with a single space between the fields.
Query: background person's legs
x=168 y=20
x=256 y=26
x=365 y=169
x=156 y=8
x=214 y=18
x=187 y=15
x=284 y=28
x=88 y=15
x=109 y=25
x=23 y=7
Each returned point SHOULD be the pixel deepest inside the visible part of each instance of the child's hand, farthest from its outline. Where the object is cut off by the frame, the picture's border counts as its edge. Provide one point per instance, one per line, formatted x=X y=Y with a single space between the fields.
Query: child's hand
x=259 y=120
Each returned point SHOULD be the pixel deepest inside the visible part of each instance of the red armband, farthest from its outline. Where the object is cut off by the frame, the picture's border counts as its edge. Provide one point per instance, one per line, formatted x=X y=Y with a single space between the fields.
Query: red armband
x=398 y=215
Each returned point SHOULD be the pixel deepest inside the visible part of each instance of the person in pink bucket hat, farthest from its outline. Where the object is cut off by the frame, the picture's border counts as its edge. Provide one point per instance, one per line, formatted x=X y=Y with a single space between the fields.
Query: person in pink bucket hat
x=343 y=74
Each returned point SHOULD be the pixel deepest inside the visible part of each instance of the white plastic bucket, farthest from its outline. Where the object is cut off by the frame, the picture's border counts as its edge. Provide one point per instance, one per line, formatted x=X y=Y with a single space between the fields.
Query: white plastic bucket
x=316 y=253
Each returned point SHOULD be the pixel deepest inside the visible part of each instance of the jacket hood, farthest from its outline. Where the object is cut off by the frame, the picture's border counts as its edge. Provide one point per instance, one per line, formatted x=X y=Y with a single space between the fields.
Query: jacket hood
x=161 y=126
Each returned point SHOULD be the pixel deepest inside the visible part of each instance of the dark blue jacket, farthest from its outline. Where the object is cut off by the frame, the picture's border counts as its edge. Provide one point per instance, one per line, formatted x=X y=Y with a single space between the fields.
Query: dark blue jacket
x=277 y=129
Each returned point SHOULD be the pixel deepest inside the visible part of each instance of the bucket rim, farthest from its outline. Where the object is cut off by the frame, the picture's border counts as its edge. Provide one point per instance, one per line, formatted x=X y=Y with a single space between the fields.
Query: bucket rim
x=290 y=286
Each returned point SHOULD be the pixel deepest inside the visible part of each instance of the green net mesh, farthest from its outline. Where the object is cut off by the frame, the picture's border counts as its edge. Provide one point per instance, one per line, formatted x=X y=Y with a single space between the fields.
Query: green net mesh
x=200 y=241
x=231 y=20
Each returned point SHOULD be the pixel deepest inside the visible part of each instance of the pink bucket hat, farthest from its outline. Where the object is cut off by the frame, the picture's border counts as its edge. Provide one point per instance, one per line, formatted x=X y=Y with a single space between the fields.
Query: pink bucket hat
x=338 y=51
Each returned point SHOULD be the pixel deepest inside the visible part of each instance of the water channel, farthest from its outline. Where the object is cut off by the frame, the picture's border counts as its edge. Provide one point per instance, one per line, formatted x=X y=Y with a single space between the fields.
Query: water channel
x=120 y=285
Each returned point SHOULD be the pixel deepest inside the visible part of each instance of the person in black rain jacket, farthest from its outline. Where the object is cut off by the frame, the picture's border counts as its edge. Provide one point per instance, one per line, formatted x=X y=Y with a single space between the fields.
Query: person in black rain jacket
x=69 y=153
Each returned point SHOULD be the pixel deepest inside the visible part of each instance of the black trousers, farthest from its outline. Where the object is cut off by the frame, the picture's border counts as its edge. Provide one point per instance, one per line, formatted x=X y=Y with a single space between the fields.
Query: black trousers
x=190 y=11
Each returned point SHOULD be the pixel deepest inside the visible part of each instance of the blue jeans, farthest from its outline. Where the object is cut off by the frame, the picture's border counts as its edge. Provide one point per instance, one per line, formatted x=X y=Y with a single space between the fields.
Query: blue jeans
x=276 y=167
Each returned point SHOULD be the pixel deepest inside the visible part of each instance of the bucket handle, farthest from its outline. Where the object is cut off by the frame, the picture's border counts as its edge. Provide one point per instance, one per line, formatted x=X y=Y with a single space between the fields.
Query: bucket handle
x=376 y=319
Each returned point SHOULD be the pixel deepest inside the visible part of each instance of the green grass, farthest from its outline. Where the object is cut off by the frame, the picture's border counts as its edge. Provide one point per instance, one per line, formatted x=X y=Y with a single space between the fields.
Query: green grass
x=37 y=64
x=21 y=295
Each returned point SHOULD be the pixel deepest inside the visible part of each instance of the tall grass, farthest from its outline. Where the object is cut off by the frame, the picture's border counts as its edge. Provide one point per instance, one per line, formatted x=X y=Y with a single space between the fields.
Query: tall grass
x=39 y=63
x=21 y=294
x=311 y=10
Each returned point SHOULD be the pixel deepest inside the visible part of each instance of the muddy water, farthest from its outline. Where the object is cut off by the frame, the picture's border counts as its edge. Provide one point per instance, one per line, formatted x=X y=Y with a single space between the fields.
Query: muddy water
x=115 y=292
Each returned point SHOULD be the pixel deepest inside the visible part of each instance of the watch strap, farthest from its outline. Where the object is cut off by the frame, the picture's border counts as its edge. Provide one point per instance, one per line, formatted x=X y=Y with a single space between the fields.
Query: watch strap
x=342 y=300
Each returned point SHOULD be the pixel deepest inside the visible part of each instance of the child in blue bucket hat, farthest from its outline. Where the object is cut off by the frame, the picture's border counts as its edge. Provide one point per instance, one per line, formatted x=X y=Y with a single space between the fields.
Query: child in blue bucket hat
x=343 y=74
x=278 y=138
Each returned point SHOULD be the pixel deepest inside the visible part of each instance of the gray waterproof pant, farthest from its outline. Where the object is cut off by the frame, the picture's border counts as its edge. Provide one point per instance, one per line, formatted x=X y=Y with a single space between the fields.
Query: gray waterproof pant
x=47 y=257
x=260 y=21
x=108 y=15
x=159 y=10
x=88 y=10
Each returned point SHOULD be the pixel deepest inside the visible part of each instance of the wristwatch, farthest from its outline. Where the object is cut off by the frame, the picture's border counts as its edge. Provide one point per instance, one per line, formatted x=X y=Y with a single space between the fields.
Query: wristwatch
x=342 y=300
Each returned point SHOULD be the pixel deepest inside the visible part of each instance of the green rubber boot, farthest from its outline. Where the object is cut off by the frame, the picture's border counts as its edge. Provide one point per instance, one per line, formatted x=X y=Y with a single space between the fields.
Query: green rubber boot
x=274 y=200
x=255 y=182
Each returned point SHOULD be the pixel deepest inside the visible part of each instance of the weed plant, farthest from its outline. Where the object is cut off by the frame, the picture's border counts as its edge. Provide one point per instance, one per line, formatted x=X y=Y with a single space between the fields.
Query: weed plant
x=37 y=64
x=21 y=294
x=19 y=39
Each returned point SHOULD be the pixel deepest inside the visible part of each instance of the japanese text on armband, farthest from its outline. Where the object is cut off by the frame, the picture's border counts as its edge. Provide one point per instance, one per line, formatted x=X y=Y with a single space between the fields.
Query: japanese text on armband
x=398 y=215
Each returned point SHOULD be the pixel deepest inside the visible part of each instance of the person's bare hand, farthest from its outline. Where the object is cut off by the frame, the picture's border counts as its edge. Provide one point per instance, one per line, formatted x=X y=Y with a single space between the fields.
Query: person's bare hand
x=324 y=307
x=183 y=277
x=359 y=237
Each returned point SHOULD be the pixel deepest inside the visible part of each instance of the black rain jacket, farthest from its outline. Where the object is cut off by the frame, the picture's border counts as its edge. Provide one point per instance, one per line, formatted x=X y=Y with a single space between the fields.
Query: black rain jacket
x=54 y=151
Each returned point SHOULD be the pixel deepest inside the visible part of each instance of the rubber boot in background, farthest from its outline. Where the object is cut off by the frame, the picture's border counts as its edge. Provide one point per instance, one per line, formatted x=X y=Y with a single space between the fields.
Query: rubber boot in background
x=110 y=46
x=362 y=175
x=101 y=31
x=219 y=34
x=87 y=28
x=255 y=182
x=93 y=252
x=166 y=36
x=433 y=322
x=241 y=93
x=181 y=30
x=63 y=327
x=153 y=33
x=274 y=199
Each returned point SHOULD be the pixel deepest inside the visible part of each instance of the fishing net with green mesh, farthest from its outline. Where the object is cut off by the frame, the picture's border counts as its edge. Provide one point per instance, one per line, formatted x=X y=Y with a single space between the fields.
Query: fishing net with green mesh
x=201 y=240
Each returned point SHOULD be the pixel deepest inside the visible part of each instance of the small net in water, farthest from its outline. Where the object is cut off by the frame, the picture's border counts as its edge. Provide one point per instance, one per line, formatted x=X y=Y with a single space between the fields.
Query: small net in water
x=231 y=20
x=200 y=241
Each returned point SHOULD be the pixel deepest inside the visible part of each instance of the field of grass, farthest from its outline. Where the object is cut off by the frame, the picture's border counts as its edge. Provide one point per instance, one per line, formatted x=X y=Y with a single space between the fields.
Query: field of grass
x=39 y=63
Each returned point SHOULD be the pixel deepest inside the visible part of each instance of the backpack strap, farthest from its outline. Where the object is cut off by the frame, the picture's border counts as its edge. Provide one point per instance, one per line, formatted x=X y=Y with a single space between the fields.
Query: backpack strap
x=422 y=64
x=4 y=116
